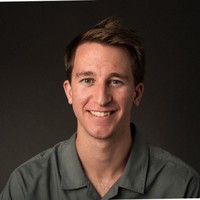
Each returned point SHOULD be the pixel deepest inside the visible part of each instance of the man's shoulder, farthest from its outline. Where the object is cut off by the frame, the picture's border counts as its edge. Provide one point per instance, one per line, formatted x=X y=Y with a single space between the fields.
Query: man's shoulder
x=43 y=162
x=41 y=172
x=172 y=166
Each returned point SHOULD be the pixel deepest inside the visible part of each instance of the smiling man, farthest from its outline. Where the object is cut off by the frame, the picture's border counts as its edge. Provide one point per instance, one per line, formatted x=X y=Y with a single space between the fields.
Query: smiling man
x=102 y=93
x=106 y=158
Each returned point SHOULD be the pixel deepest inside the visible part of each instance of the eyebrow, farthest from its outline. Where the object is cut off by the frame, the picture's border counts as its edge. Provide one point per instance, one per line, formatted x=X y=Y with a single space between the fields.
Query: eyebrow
x=85 y=73
x=119 y=75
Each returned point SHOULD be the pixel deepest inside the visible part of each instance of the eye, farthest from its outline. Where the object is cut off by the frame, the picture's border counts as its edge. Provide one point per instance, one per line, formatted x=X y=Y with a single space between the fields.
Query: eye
x=115 y=83
x=87 y=81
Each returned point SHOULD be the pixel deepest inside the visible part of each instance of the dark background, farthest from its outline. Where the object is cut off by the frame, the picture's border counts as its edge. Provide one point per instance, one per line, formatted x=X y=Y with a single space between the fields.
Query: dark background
x=34 y=113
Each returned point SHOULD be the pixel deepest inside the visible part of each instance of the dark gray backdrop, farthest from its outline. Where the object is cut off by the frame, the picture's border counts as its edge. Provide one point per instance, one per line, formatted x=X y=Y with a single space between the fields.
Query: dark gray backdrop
x=34 y=114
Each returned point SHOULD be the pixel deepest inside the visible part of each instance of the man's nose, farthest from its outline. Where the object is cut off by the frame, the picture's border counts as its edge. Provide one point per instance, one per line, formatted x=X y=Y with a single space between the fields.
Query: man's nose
x=102 y=95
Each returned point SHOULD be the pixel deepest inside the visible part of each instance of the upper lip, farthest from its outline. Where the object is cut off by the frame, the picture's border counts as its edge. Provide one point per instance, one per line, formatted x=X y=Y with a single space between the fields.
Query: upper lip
x=102 y=110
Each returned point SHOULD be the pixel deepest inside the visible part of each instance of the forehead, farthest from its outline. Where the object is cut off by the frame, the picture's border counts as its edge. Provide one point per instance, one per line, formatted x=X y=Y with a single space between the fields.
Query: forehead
x=92 y=54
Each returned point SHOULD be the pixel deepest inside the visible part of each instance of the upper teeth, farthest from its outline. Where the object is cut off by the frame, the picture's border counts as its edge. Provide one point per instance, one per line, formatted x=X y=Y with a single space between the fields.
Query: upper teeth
x=100 y=114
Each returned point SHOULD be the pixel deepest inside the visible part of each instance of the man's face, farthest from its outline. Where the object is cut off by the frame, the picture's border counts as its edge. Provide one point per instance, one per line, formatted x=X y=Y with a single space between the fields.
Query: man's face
x=102 y=90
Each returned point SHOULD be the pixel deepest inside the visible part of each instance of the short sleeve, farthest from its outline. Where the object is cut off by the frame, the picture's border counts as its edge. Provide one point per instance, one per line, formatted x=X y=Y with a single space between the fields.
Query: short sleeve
x=13 y=190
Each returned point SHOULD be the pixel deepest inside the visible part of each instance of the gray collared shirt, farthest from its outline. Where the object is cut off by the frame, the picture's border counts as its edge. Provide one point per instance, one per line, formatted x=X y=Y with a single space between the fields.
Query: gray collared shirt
x=57 y=174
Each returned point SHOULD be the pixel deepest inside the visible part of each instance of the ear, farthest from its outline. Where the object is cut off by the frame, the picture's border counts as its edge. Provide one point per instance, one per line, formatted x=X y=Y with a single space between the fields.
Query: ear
x=68 y=90
x=139 y=90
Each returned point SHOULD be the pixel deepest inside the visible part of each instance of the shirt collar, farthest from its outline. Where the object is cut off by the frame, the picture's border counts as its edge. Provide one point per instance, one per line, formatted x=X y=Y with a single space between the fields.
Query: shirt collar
x=72 y=174
x=134 y=176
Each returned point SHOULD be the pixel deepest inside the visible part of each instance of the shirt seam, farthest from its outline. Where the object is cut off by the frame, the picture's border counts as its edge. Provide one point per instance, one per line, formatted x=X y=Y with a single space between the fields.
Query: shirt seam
x=182 y=165
x=19 y=181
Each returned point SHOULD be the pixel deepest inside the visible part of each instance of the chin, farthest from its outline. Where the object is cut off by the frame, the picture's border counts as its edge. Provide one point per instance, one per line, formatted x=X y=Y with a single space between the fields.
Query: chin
x=101 y=136
x=101 y=133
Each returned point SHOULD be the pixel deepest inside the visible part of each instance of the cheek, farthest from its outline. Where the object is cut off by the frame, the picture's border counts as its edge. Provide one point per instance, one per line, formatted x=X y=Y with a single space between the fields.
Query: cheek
x=80 y=97
x=127 y=103
x=126 y=98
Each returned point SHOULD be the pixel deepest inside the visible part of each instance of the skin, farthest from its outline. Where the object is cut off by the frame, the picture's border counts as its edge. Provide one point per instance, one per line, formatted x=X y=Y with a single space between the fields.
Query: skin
x=102 y=94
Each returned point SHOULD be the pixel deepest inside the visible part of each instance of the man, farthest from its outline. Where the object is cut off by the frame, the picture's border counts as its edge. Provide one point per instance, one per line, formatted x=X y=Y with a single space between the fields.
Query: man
x=106 y=158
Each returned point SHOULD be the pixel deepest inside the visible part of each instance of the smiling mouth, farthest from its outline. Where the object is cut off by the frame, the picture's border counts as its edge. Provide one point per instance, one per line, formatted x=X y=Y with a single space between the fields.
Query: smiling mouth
x=100 y=114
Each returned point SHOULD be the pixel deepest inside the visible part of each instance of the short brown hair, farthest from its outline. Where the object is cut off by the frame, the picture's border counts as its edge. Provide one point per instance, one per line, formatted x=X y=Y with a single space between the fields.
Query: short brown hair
x=110 y=32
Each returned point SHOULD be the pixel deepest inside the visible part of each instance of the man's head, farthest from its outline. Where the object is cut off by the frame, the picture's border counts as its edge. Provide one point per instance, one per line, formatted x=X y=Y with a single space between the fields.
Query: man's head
x=110 y=32
x=105 y=69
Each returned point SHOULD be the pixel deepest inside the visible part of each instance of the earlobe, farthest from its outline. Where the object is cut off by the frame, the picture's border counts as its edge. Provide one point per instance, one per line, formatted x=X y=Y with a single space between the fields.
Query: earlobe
x=68 y=90
x=139 y=90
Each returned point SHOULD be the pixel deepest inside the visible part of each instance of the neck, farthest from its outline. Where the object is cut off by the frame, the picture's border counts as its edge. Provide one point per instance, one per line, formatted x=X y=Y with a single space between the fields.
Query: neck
x=104 y=159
